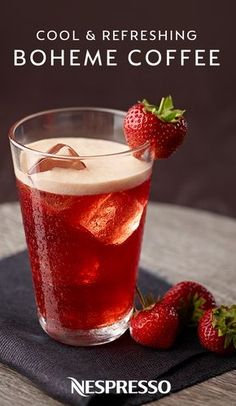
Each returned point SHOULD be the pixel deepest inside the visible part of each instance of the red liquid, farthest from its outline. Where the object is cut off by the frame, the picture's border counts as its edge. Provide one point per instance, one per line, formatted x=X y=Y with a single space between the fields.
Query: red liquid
x=84 y=253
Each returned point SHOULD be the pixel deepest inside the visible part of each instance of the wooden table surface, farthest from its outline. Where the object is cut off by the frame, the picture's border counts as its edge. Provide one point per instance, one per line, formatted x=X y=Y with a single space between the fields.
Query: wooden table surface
x=179 y=244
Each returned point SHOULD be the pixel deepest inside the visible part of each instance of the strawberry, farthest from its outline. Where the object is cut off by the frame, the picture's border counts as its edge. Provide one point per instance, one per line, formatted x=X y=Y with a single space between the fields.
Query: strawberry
x=155 y=326
x=190 y=299
x=164 y=126
x=217 y=329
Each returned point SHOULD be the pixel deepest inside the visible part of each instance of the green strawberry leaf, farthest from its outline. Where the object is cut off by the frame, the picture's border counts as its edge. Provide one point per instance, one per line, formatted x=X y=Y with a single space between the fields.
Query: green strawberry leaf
x=168 y=103
x=197 y=311
x=165 y=111
x=224 y=320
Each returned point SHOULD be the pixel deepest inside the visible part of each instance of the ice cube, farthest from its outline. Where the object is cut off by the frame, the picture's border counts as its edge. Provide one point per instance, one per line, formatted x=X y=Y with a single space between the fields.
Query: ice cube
x=112 y=218
x=88 y=270
x=56 y=203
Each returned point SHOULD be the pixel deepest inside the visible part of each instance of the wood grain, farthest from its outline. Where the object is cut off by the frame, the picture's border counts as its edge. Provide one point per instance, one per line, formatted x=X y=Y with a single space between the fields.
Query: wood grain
x=179 y=244
x=17 y=390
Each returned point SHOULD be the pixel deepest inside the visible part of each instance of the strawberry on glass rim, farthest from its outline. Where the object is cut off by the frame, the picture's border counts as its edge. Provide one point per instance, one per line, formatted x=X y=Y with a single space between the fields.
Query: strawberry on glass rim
x=164 y=126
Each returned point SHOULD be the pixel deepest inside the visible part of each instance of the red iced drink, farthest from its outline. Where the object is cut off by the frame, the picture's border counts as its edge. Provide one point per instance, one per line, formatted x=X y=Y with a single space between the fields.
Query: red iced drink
x=83 y=280
x=84 y=231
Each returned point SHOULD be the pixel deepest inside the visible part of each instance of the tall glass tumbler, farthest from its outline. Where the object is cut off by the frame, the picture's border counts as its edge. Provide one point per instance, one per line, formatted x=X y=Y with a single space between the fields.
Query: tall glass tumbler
x=83 y=196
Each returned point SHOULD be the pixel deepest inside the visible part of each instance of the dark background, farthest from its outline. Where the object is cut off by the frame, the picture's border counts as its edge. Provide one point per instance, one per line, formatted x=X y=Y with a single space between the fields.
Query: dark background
x=202 y=173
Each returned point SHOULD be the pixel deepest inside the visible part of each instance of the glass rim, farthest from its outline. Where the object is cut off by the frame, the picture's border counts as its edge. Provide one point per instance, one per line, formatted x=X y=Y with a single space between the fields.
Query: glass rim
x=13 y=128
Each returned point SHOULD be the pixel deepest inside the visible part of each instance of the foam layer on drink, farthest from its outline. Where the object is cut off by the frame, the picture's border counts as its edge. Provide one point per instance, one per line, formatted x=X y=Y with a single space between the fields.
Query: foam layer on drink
x=101 y=174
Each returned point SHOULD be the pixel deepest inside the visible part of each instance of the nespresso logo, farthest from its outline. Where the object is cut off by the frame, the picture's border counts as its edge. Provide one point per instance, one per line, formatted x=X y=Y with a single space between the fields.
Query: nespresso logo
x=90 y=387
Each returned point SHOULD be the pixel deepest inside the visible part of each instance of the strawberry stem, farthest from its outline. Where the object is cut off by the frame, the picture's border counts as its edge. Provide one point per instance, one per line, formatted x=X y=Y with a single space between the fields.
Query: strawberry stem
x=140 y=296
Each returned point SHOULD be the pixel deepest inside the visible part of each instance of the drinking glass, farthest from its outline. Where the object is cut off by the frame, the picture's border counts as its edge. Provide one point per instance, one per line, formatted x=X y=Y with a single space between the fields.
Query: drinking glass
x=83 y=217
